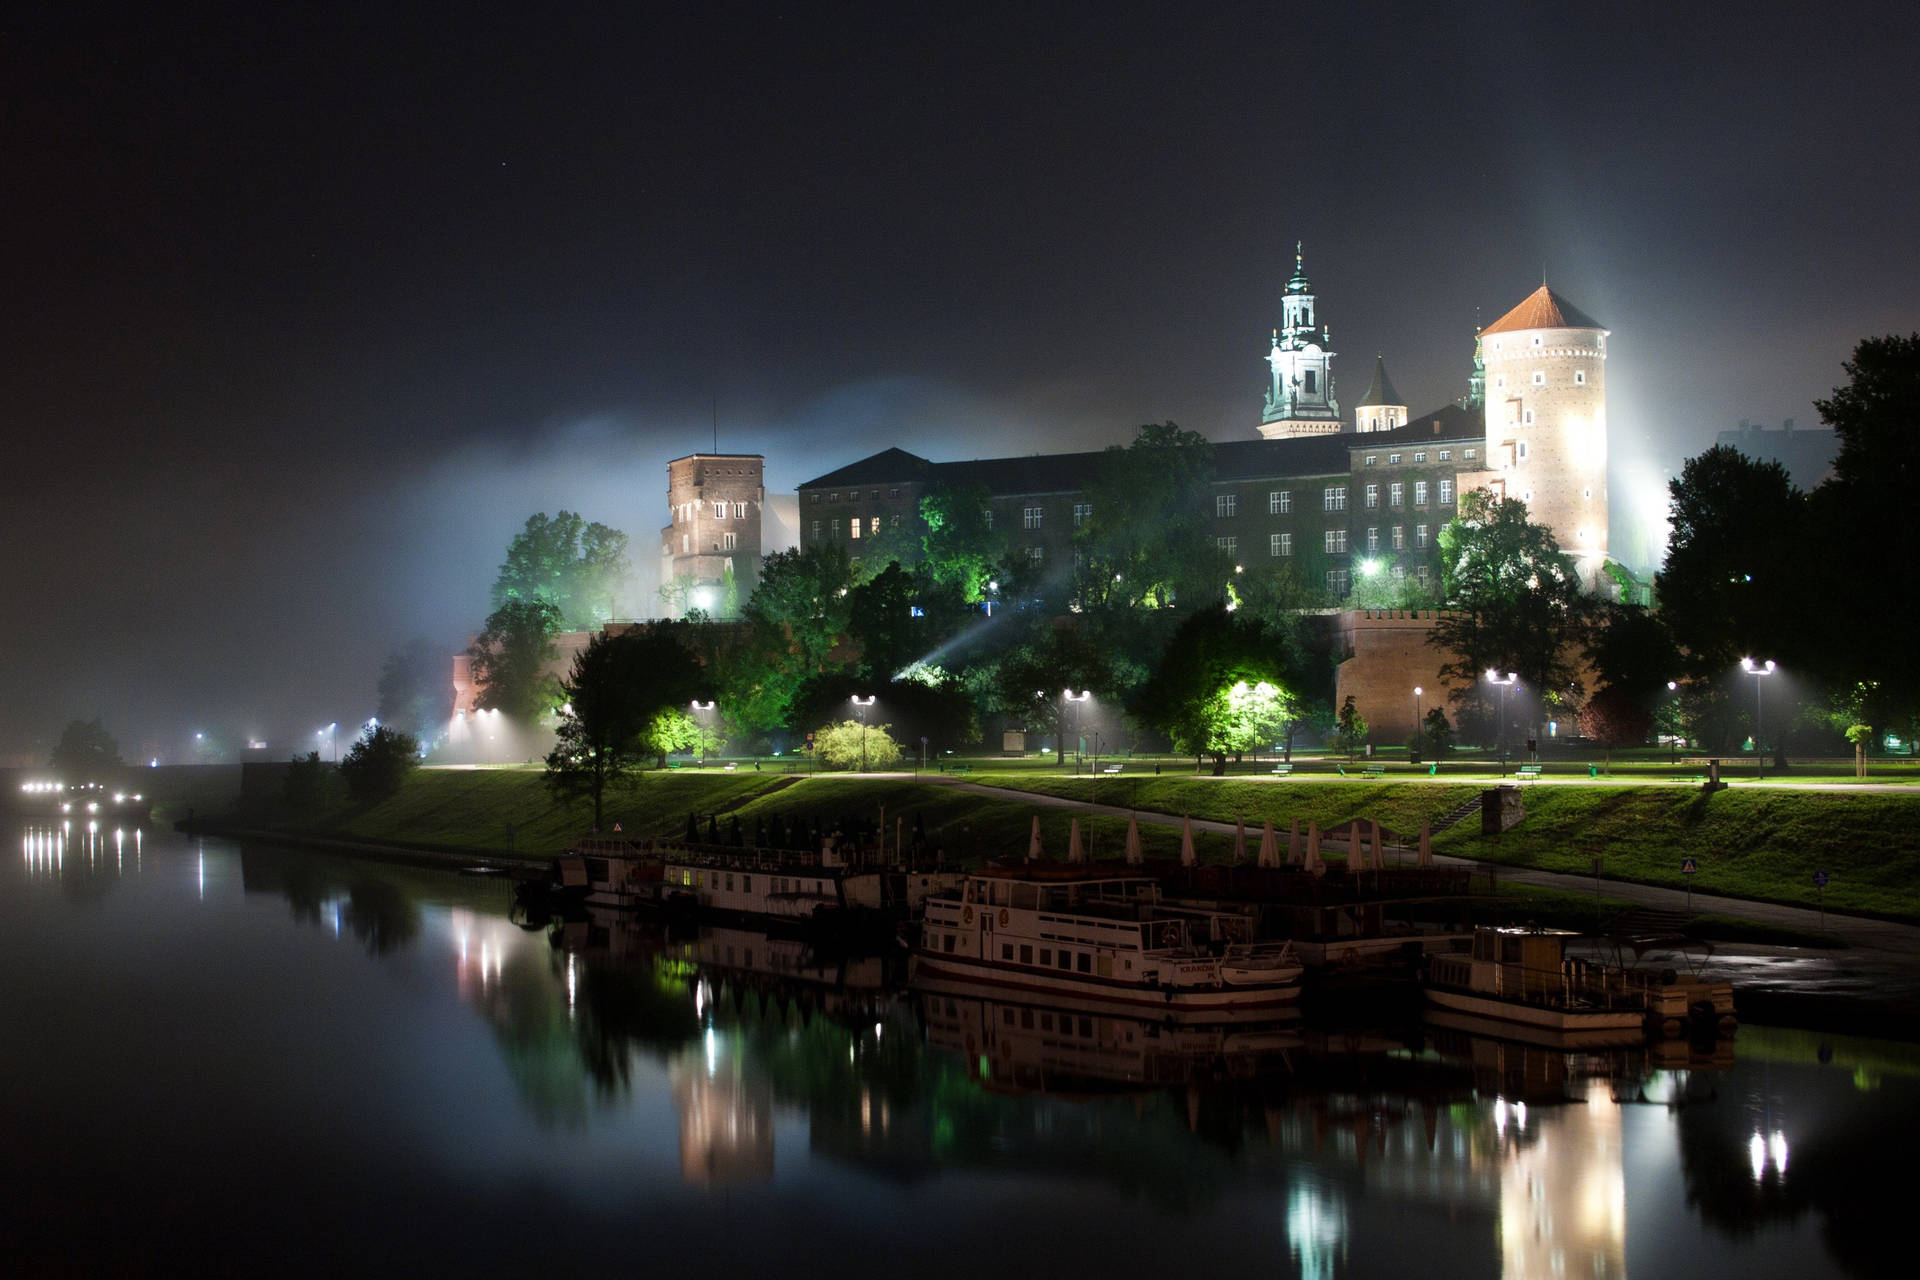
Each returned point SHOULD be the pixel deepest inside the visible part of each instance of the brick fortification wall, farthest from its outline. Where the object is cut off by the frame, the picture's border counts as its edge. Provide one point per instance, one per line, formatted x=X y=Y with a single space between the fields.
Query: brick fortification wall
x=1388 y=658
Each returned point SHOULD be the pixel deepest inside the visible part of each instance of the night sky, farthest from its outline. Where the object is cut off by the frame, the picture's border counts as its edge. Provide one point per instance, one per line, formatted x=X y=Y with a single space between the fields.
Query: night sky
x=308 y=307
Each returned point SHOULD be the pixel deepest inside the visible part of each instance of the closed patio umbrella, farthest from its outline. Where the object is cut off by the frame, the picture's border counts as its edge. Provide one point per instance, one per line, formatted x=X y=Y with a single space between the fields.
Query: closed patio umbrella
x=1134 y=856
x=1074 y=852
x=1187 y=855
x=1239 y=841
x=1269 y=855
x=1033 y=841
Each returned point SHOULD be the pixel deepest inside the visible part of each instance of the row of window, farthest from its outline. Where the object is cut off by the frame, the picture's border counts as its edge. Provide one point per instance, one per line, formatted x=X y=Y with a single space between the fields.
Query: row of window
x=853 y=495
x=1540 y=379
x=1334 y=541
x=1393 y=459
x=852 y=528
x=721 y=510
x=1397 y=494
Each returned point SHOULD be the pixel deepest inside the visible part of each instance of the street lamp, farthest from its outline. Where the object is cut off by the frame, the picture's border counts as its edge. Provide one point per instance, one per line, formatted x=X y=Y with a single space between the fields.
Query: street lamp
x=860 y=706
x=1417 y=691
x=1673 y=740
x=1757 y=670
x=1505 y=683
x=1066 y=696
x=699 y=706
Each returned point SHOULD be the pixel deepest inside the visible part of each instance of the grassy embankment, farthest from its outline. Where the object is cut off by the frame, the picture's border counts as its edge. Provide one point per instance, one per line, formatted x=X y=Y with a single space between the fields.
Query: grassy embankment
x=1763 y=844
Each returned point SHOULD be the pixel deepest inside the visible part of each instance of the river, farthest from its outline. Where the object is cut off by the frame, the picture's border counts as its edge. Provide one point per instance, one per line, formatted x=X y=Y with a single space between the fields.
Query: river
x=222 y=1059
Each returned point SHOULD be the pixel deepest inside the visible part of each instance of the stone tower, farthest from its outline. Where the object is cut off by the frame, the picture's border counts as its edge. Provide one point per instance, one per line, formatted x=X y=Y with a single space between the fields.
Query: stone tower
x=1300 y=399
x=710 y=549
x=1546 y=404
x=1381 y=409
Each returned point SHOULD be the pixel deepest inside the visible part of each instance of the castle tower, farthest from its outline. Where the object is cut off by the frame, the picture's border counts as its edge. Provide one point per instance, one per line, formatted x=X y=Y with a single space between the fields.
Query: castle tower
x=1381 y=409
x=1300 y=399
x=1546 y=404
x=1476 y=397
x=710 y=549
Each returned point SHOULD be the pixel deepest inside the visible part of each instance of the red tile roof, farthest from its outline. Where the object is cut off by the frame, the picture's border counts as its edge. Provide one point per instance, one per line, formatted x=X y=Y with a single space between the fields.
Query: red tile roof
x=1543 y=309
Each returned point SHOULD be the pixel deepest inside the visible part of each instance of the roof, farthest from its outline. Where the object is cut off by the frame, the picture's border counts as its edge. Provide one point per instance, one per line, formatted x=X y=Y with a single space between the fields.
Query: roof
x=1380 y=390
x=1543 y=309
x=1449 y=422
x=888 y=465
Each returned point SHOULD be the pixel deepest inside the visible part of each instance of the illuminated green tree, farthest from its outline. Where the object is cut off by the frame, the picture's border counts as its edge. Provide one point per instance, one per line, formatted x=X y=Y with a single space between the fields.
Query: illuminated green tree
x=564 y=561
x=848 y=743
x=1149 y=539
x=1219 y=690
x=960 y=545
x=620 y=688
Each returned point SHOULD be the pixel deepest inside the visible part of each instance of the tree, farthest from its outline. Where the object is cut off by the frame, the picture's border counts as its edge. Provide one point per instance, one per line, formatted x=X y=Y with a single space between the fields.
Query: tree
x=509 y=660
x=416 y=689
x=1613 y=718
x=564 y=561
x=1207 y=693
x=621 y=685
x=1514 y=601
x=377 y=764
x=850 y=744
x=880 y=619
x=306 y=782
x=1732 y=585
x=1148 y=539
x=85 y=752
x=1350 y=727
x=1633 y=652
x=1866 y=510
x=959 y=544
x=1436 y=735
x=1032 y=677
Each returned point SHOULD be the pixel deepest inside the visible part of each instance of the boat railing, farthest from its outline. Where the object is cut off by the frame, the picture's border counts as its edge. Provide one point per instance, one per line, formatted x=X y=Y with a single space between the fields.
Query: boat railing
x=1574 y=984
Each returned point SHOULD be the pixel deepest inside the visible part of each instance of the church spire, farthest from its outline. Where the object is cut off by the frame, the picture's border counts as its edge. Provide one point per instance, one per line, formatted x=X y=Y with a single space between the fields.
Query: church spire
x=1300 y=395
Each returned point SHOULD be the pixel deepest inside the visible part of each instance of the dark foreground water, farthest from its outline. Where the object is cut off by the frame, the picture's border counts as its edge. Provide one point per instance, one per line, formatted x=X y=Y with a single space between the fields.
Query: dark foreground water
x=217 y=1059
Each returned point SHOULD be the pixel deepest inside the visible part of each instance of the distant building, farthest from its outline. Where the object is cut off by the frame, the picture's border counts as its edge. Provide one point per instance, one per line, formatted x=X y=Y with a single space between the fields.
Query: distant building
x=1806 y=452
x=711 y=548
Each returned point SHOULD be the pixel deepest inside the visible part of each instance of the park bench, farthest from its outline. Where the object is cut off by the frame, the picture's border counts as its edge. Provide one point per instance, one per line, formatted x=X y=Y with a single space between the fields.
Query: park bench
x=1530 y=771
x=1374 y=771
x=960 y=768
x=1282 y=770
x=1112 y=768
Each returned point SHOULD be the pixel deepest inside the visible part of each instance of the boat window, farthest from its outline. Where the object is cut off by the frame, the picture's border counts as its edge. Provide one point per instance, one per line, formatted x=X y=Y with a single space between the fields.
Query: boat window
x=1026 y=954
x=1046 y=955
x=1006 y=1016
x=746 y=884
x=1066 y=959
x=1084 y=962
x=1086 y=1027
x=1026 y=1019
x=1006 y=951
x=947 y=943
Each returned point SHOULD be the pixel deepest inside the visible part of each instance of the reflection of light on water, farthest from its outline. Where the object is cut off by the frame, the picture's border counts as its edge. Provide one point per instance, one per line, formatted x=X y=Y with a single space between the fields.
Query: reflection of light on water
x=712 y=1045
x=1316 y=1230
x=726 y=1115
x=1563 y=1197
x=1763 y=1150
x=573 y=982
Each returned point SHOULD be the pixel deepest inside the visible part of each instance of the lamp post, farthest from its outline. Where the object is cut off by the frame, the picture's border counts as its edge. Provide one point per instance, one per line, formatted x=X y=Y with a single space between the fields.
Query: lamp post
x=1417 y=691
x=1504 y=683
x=860 y=706
x=1757 y=670
x=1673 y=740
x=698 y=707
x=1066 y=696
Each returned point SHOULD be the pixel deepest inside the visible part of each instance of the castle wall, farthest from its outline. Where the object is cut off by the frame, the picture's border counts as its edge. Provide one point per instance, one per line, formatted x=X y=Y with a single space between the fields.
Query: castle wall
x=1390 y=657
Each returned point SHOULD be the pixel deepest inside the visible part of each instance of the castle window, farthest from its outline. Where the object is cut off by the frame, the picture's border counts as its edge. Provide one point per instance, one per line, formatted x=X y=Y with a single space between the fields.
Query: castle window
x=988 y=513
x=686 y=543
x=1372 y=498
x=1336 y=542
x=1469 y=454
x=1446 y=455
x=1586 y=493
x=873 y=526
x=1399 y=537
x=1311 y=381
x=1279 y=544
x=893 y=493
x=1370 y=459
x=1420 y=535
x=1446 y=492
x=1579 y=377
x=1224 y=504
x=853 y=527
x=1496 y=344
x=1337 y=581
x=1500 y=382
x=1419 y=457
x=1036 y=554
x=1280 y=502
x=1419 y=493
x=1420 y=574
x=874 y=494
x=739 y=511
x=1393 y=459
x=1539 y=377
x=729 y=541
x=1536 y=340
x=1230 y=545
x=814 y=498
x=1373 y=538
x=1523 y=448
x=1082 y=512
x=816 y=528
x=1030 y=516
x=833 y=497
x=1396 y=494
x=1526 y=418
x=1335 y=498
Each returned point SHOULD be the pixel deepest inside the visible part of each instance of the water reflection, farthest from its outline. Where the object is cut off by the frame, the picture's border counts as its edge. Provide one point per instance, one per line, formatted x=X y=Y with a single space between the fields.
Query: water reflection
x=627 y=1071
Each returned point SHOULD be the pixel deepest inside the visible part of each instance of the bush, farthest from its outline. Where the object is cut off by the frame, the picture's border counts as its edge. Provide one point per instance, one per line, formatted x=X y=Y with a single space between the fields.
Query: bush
x=377 y=765
x=840 y=745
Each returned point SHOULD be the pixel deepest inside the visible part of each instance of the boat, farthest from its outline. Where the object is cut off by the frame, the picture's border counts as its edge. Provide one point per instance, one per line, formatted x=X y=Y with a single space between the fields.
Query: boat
x=1525 y=977
x=834 y=889
x=81 y=802
x=1091 y=939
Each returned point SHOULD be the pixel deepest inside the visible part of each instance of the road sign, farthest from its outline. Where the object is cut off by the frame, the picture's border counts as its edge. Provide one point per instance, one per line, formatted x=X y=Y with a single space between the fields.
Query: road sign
x=1819 y=879
x=1686 y=867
